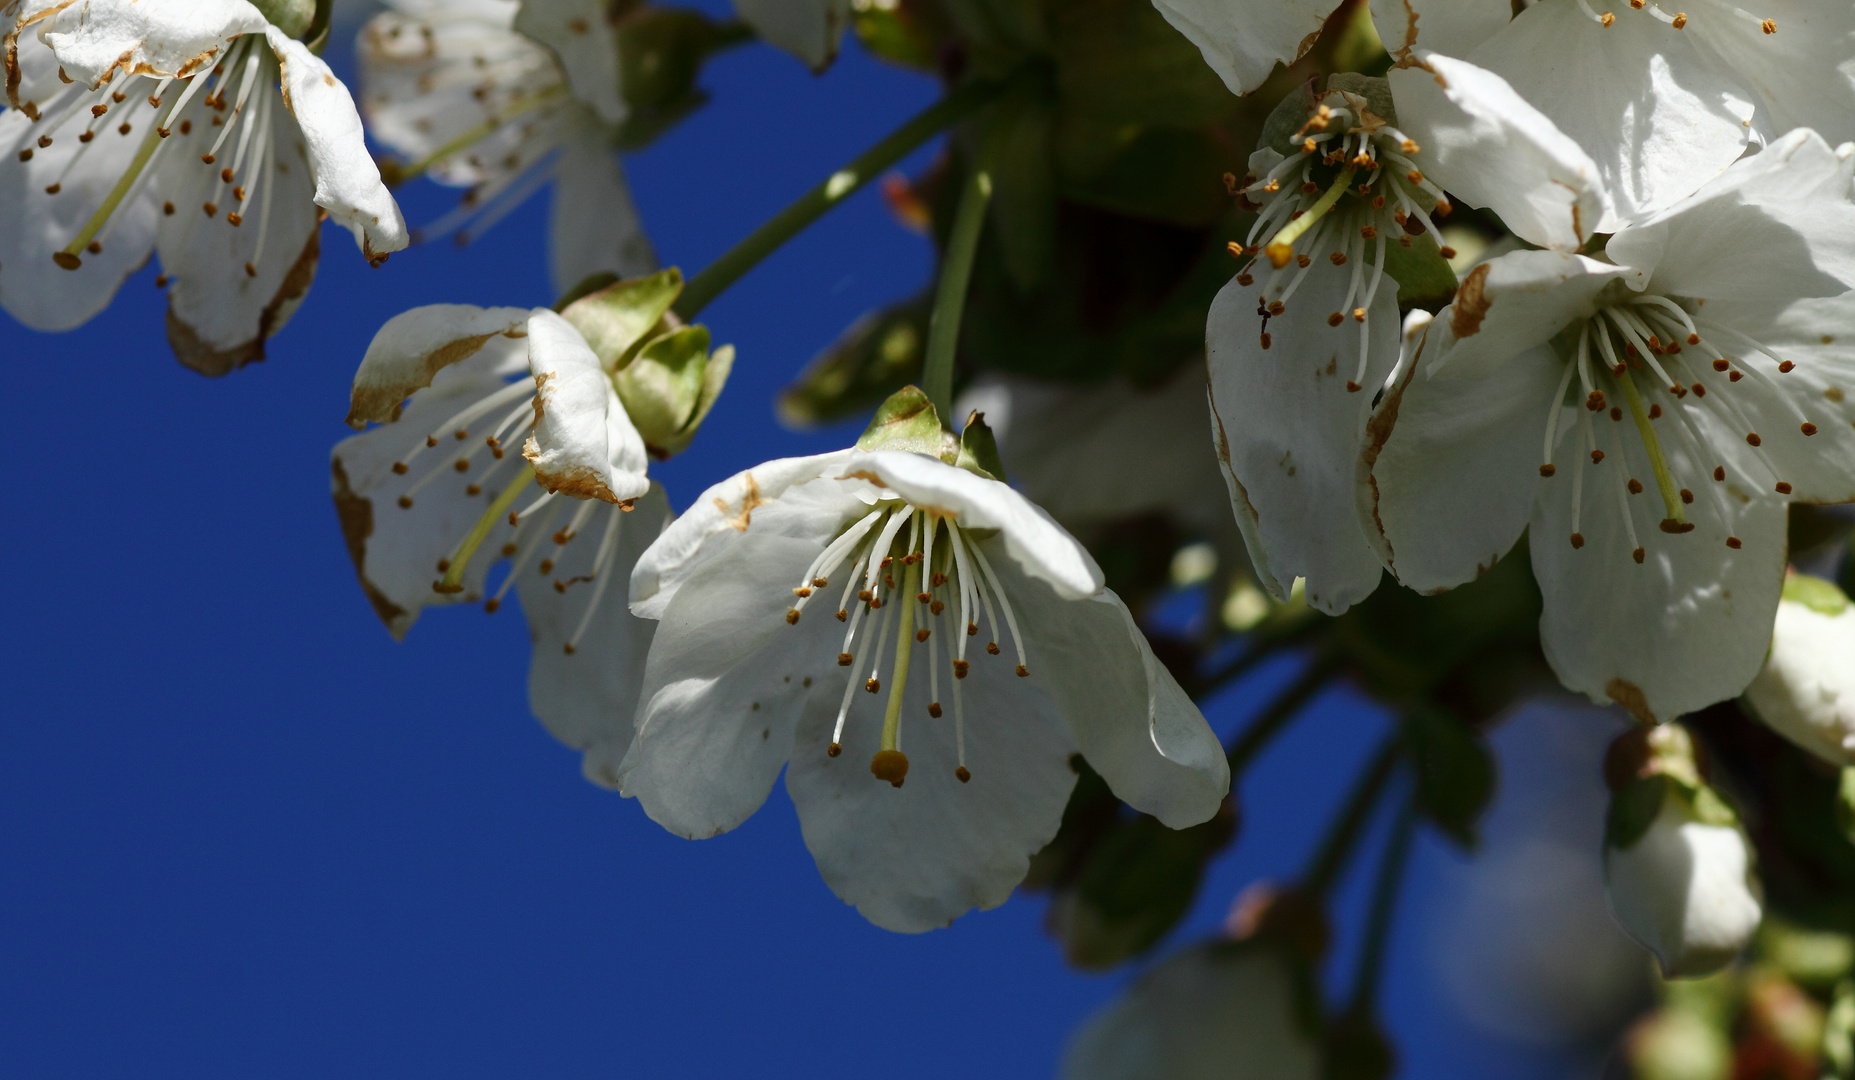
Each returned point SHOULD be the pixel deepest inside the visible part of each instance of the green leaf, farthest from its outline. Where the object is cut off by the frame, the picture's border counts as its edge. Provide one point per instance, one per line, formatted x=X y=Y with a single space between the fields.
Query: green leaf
x=1165 y=174
x=663 y=386
x=1633 y=809
x=1023 y=210
x=1136 y=884
x=907 y=422
x=1120 y=61
x=1455 y=772
x=1845 y=804
x=616 y=319
x=1423 y=275
x=878 y=355
x=979 y=450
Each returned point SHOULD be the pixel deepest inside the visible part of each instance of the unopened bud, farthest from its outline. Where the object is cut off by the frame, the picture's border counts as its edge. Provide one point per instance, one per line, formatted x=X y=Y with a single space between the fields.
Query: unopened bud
x=1806 y=691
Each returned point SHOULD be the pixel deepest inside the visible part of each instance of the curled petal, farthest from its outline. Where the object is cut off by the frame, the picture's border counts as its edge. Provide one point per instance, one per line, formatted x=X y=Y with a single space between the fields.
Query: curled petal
x=583 y=444
x=414 y=346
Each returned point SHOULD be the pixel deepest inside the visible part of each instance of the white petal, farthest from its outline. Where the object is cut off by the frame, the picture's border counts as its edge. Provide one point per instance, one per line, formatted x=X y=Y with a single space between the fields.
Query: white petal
x=1657 y=117
x=414 y=346
x=725 y=685
x=1686 y=627
x=1033 y=541
x=347 y=181
x=1685 y=891
x=808 y=29
x=1489 y=148
x=396 y=549
x=1449 y=468
x=1288 y=430
x=587 y=698
x=723 y=514
x=581 y=34
x=1801 y=74
x=1513 y=302
x=1127 y=714
x=594 y=225
x=1806 y=691
x=1775 y=227
x=915 y=858
x=1450 y=27
x=219 y=314
x=96 y=38
x=34 y=225
x=424 y=76
x=584 y=443
x=1243 y=40
x=1212 y=1012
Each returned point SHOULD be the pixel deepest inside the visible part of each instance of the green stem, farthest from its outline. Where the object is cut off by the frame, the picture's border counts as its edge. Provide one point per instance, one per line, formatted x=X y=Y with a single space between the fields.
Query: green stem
x=1344 y=832
x=956 y=274
x=1274 y=719
x=1384 y=900
x=716 y=277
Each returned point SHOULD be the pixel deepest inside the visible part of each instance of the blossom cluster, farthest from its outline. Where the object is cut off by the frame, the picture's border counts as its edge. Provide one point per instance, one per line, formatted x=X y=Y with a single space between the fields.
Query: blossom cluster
x=1538 y=270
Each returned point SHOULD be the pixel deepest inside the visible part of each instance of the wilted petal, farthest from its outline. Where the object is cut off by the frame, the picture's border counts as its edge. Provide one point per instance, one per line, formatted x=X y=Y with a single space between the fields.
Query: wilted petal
x=348 y=182
x=583 y=443
x=414 y=346
x=98 y=38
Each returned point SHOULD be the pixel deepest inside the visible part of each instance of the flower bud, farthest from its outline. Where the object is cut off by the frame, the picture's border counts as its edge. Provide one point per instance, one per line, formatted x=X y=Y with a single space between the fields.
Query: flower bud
x=293 y=17
x=671 y=385
x=1806 y=691
x=1677 y=864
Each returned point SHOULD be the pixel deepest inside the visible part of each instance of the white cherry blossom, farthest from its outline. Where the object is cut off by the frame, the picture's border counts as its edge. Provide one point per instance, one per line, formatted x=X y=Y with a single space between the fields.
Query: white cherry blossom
x=1662 y=99
x=437 y=493
x=502 y=98
x=193 y=128
x=880 y=617
x=1806 y=691
x=1648 y=417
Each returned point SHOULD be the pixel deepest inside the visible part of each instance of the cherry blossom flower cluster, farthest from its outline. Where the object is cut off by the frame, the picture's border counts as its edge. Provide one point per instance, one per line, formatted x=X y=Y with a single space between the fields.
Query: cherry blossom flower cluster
x=1642 y=366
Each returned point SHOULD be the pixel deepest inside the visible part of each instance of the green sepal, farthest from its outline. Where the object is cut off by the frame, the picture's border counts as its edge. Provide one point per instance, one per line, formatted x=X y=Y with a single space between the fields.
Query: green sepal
x=588 y=285
x=1376 y=92
x=1424 y=277
x=714 y=377
x=662 y=387
x=907 y=422
x=878 y=355
x=1455 y=772
x=979 y=449
x=294 y=17
x=1633 y=809
x=1287 y=117
x=618 y=318
x=1814 y=593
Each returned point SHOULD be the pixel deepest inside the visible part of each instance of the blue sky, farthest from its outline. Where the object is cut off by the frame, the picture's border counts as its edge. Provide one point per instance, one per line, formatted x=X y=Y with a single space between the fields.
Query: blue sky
x=243 y=833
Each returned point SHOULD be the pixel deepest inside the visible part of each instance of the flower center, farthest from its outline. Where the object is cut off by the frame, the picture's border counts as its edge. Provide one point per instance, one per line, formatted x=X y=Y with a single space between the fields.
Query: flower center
x=1350 y=184
x=88 y=115
x=1679 y=20
x=1663 y=359
x=511 y=413
x=918 y=581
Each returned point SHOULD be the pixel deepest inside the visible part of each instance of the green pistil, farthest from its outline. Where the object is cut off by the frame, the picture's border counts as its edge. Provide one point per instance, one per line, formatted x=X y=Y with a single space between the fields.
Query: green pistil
x=904 y=640
x=454 y=575
x=1282 y=248
x=69 y=257
x=1676 y=521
